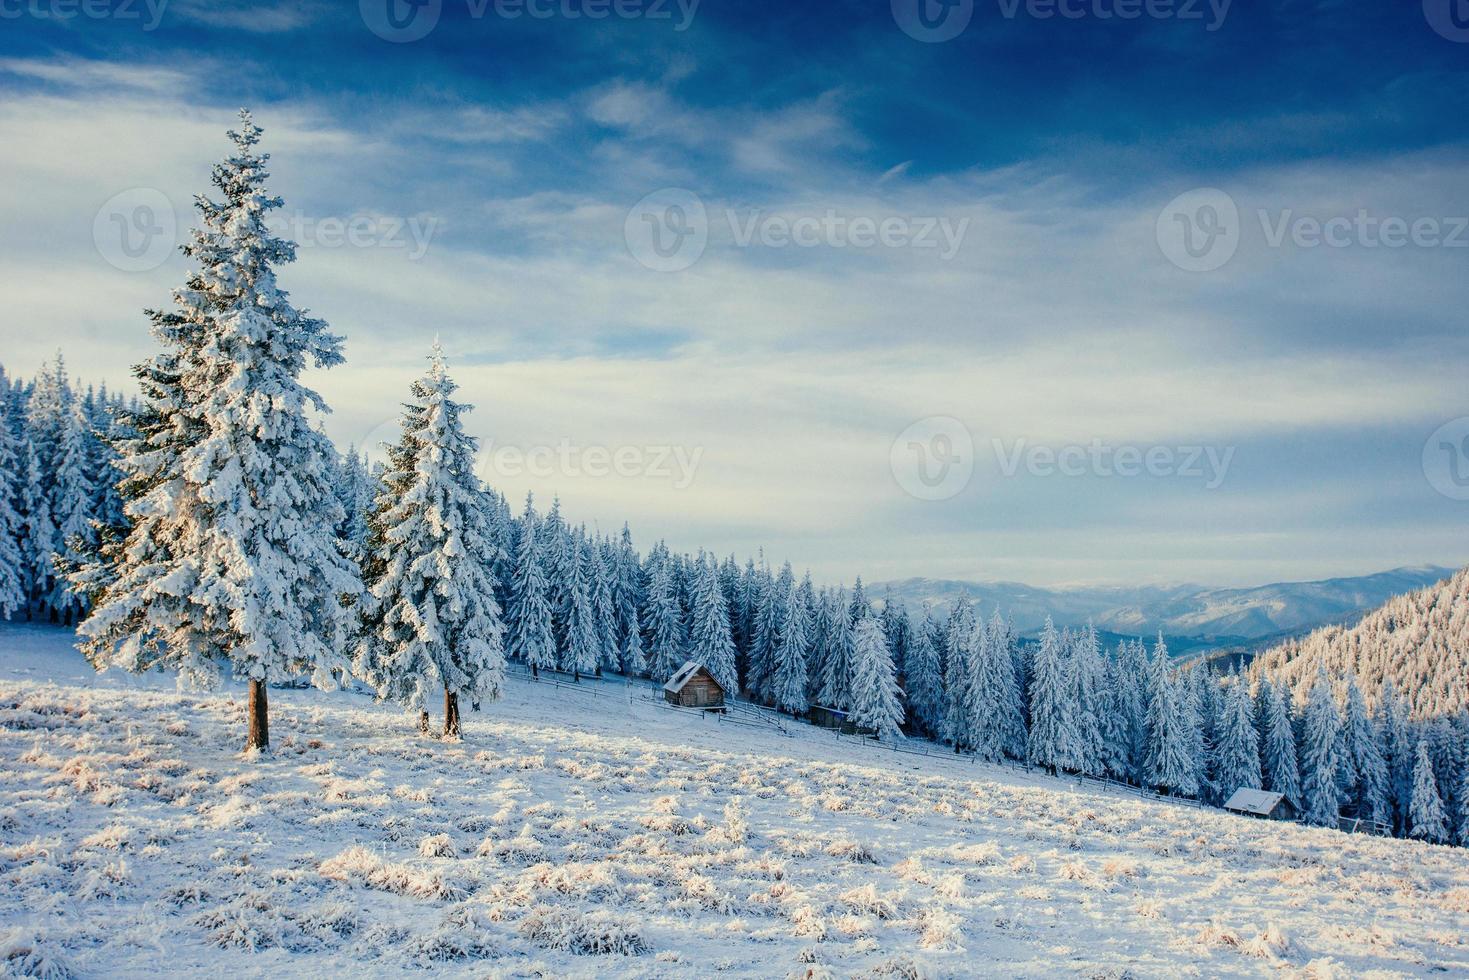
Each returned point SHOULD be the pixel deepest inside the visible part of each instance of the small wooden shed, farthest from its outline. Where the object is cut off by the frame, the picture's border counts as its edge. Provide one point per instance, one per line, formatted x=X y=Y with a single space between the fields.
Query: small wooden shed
x=692 y=686
x=1260 y=803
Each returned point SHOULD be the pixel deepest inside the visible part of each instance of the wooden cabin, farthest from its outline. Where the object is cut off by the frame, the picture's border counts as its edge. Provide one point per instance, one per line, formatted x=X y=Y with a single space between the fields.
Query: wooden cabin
x=1260 y=803
x=692 y=686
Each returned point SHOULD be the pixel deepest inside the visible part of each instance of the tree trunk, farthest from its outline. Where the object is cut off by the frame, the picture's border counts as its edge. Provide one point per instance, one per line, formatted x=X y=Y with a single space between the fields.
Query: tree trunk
x=535 y=672
x=257 y=709
x=451 y=714
x=423 y=723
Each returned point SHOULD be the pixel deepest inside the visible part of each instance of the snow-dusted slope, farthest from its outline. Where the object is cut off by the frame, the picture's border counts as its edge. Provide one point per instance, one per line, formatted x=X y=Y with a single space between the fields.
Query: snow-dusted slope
x=590 y=836
x=1420 y=641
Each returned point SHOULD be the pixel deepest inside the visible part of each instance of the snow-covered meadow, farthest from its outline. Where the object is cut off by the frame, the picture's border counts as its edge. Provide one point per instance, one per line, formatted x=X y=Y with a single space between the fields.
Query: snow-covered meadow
x=573 y=835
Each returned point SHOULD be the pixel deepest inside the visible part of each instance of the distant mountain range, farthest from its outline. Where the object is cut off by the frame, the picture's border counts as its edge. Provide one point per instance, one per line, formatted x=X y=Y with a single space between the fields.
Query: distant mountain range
x=1191 y=617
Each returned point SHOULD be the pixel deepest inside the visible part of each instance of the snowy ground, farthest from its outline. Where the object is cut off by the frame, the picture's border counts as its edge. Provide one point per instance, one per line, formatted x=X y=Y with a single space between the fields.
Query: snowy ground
x=576 y=836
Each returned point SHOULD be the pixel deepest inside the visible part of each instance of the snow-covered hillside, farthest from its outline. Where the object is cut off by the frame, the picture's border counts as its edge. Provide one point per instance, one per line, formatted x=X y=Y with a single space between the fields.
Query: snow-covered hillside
x=574 y=834
x=1419 y=641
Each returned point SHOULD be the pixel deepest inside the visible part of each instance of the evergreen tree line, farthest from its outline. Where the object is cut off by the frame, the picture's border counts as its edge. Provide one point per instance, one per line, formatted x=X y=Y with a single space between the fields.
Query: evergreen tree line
x=239 y=538
x=57 y=477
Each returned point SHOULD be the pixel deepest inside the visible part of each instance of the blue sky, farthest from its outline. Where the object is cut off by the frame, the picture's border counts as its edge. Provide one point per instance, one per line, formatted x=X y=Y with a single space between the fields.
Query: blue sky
x=506 y=163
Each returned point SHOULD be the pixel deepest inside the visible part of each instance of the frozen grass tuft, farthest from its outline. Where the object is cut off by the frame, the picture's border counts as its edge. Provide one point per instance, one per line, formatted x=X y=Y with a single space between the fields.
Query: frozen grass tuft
x=27 y=953
x=374 y=871
x=437 y=845
x=581 y=933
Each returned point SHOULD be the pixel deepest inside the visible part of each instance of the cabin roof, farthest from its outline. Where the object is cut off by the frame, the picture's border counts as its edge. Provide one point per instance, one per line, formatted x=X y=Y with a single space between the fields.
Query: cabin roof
x=686 y=673
x=1256 y=801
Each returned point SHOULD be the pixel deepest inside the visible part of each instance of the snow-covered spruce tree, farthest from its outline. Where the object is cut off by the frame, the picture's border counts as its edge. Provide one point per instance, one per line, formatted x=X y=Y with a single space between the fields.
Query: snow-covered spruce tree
x=232 y=554
x=1319 y=755
x=531 y=635
x=433 y=621
x=1282 y=767
x=819 y=632
x=788 y=685
x=603 y=608
x=959 y=639
x=1426 y=817
x=1238 y=750
x=709 y=637
x=925 y=687
x=12 y=582
x=355 y=491
x=1116 y=738
x=38 y=542
x=769 y=620
x=836 y=671
x=993 y=728
x=1053 y=741
x=628 y=595
x=1087 y=681
x=1170 y=762
x=1366 y=771
x=1132 y=701
x=667 y=639
x=1397 y=744
x=73 y=493
x=1201 y=710
x=581 y=645
x=876 y=703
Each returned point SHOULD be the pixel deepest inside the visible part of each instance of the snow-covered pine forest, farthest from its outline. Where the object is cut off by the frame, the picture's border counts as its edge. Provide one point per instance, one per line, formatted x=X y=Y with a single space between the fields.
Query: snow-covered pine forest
x=1418 y=643
x=206 y=526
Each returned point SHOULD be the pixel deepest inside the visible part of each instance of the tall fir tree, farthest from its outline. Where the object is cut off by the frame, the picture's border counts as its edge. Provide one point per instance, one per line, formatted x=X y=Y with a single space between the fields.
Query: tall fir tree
x=1365 y=769
x=1053 y=741
x=836 y=668
x=73 y=495
x=769 y=614
x=992 y=697
x=628 y=595
x=1238 y=750
x=1426 y=818
x=253 y=573
x=788 y=685
x=1132 y=702
x=875 y=696
x=709 y=635
x=12 y=580
x=581 y=646
x=1282 y=764
x=1087 y=682
x=1398 y=749
x=925 y=687
x=1171 y=765
x=435 y=623
x=603 y=608
x=819 y=651
x=38 y=535
x=1320 y=756
x=958 y=650
x=667 y=638
x=532 y=635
